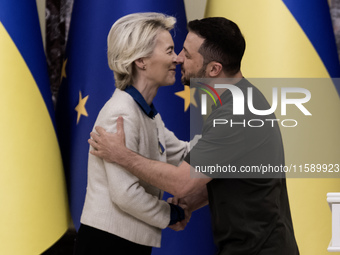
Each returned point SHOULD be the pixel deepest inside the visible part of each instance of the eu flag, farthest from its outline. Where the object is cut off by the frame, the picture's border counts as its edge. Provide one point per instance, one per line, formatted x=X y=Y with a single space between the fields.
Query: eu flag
x=87 y=83
x=34 y=211
x=295 y=39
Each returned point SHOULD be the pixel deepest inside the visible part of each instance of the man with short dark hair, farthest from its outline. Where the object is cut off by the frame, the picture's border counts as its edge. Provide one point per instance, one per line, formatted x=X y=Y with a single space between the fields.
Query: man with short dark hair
x=249 y=215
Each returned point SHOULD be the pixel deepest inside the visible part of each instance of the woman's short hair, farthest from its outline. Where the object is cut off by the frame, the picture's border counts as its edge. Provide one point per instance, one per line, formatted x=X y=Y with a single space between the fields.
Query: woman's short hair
x=132 y=37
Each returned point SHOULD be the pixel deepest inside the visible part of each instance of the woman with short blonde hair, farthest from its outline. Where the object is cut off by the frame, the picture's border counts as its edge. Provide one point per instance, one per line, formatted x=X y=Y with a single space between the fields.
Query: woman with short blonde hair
x=133 y=37
x=122 y=214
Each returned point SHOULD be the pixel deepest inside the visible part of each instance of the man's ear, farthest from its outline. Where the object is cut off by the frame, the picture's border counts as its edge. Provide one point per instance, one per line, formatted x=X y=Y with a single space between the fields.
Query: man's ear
x=140 y=63
x=214 y=69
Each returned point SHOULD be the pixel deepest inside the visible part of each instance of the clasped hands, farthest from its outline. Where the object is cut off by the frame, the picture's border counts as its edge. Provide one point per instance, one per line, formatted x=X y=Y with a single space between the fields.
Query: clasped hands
x=182 y=203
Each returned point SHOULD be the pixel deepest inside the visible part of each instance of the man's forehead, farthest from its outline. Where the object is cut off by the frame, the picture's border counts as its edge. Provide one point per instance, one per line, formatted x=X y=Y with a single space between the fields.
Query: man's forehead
x=193 y=41
x=191 y=36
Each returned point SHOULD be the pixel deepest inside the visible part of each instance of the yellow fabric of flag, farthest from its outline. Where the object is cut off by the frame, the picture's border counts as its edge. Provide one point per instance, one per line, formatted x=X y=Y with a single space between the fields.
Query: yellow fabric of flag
x=277 y=47
x=33 y=201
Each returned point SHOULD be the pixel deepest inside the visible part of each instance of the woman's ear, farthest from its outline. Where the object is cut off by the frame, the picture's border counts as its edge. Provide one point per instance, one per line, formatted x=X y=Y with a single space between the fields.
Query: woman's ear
x=140 y=63
x=214 y=69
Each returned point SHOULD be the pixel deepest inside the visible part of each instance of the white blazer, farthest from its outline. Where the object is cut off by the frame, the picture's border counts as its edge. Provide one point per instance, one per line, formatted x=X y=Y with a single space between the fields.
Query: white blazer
x=117 y=201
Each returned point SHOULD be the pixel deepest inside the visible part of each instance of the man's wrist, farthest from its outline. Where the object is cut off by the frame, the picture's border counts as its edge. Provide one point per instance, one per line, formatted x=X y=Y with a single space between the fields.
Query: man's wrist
x=122 y=157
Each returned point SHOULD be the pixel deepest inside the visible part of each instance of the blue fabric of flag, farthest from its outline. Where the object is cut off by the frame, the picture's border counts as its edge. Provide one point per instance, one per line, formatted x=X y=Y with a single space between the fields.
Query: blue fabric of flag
x=87 y=72
x=13 y=18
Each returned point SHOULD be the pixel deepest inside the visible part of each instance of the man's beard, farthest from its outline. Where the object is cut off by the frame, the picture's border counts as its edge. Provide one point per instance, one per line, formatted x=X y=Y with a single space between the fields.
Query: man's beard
x=199 y=74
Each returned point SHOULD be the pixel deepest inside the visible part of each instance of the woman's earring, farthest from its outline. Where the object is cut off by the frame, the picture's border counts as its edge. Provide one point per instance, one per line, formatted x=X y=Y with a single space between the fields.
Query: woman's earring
x=144 y=67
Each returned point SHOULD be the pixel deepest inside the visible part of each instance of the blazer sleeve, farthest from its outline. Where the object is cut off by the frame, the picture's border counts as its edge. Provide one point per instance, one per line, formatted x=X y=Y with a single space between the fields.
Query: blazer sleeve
x=125 y=189
x=176 y=149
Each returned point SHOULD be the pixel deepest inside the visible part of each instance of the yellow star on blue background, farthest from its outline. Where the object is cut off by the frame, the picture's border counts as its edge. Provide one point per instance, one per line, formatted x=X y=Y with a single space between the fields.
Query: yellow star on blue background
x=188 y=94
x=80 y=108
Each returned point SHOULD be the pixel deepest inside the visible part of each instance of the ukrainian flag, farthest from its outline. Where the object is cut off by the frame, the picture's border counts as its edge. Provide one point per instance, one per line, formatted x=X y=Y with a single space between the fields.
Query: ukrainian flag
x=294 y=39
x=33 y=201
